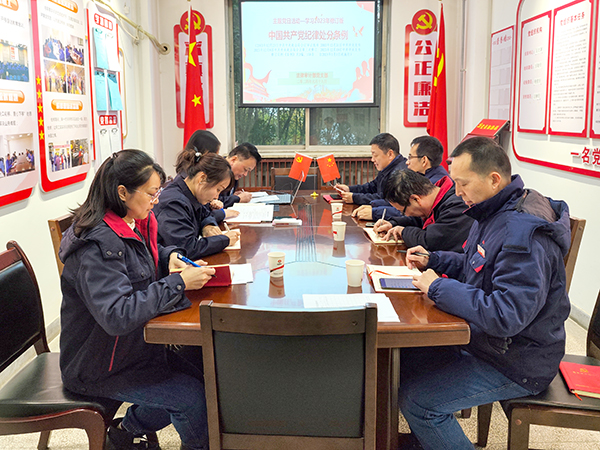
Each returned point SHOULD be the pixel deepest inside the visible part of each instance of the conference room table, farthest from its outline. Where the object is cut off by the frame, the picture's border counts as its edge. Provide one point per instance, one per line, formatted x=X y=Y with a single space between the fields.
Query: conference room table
x=315 y=264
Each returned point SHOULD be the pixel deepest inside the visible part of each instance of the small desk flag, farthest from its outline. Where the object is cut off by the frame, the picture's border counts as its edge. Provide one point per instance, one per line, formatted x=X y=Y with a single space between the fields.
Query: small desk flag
x=194 y=103
x=299 y=169
x=328 y=167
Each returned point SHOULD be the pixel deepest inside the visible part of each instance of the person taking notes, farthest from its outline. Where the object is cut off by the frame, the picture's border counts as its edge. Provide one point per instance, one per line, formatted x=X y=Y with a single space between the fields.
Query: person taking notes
x=182 y=218
x=116 y=278
x=509 y=285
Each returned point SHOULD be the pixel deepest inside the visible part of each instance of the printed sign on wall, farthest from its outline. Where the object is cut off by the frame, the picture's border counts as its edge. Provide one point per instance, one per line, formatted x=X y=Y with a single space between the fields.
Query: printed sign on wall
x=204 y=40
x=18 y=143
x=500 y=74
x=421 y=40
x=62 y=91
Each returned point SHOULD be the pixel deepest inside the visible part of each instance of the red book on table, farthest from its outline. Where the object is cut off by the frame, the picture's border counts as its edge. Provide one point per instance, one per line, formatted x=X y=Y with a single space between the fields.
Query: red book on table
x=222 y=275
x=582 y=379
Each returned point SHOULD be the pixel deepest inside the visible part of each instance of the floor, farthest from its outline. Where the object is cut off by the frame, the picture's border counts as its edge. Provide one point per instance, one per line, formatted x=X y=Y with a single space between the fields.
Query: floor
x=546 y=438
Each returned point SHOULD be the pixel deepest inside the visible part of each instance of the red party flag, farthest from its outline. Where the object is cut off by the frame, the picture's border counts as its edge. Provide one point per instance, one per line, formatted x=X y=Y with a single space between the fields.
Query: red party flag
x=328 y=168
x=194 y=104
x=299 y=169
x=437 y=122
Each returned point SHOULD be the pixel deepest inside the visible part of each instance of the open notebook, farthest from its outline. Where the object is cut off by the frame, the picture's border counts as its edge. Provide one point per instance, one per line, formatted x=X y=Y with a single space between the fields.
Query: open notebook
x=376 y=239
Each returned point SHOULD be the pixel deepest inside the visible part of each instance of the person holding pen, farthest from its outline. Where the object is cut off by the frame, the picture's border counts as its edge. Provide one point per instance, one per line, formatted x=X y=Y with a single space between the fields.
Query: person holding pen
x=183 y=220
x=509 y=284
x=116 y=277
x=243 y=160
x=442 y=224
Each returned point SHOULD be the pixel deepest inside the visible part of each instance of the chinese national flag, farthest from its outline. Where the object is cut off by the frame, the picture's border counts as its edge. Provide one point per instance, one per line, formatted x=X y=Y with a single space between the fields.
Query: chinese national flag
x=194 y=104
x=328 y=168
x=437 y=122
x=299 y=169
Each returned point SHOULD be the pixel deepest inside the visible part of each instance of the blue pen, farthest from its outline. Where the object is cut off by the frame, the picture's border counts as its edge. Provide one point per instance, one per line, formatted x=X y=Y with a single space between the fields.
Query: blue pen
x=187 y=260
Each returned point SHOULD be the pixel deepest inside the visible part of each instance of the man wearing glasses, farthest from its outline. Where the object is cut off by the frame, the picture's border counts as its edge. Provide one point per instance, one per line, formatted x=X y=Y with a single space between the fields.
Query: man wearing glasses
x=442 y=224
x=425 y=156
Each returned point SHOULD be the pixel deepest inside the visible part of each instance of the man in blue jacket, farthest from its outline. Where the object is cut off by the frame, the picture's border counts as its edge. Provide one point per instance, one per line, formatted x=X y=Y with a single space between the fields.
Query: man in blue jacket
x=509 y=285
x=425 y=156
x=385 y=155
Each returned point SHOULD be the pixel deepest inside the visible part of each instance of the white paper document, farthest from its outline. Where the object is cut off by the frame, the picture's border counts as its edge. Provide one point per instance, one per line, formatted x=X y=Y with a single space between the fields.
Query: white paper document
x=259 y=194
x=264 y=198
x=241 y=273
x=252 y=213
x=385 y=310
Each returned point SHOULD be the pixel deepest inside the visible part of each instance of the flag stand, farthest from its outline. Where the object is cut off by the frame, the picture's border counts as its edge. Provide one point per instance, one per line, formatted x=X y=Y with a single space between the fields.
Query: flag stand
x=314 y=194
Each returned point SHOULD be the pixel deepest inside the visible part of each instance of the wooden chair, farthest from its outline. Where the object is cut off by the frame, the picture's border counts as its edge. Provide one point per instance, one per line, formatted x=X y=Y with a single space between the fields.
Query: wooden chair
x=281 y=182
x=546 y=407
x=293 y=379
x=57 y=227
x=35 y=400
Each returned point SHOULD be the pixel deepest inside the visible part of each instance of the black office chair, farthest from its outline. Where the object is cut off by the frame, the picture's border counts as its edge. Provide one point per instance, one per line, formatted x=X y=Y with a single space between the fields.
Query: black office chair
x=35 y=400
x=292 y=379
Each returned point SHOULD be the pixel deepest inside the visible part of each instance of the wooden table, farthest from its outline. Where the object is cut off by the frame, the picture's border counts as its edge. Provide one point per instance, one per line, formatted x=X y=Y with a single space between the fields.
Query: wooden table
x=315 y=264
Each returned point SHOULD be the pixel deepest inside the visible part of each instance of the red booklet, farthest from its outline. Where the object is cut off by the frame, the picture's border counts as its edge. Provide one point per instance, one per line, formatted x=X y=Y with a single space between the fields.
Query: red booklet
x=582 y=379
x=222 y=275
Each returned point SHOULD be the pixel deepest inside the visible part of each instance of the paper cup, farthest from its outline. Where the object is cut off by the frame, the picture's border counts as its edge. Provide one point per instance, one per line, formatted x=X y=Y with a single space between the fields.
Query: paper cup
x=276 y=263
x=354 y=271
x=339 y=230
x=336 y=211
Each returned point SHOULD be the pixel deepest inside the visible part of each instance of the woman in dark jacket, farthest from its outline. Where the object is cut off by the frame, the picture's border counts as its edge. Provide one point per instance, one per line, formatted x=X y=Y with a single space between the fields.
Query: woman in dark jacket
x=115 y=279
x=183 y=218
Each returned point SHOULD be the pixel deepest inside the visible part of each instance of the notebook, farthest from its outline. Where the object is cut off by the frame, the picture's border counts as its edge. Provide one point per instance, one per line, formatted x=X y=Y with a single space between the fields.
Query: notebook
x=285 y=199
x=376 y=239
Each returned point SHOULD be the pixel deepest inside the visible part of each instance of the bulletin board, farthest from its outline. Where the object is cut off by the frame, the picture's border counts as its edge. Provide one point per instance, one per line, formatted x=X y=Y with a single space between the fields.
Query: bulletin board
x=63 y=101
x=105 y=73
x=556 y=85
x=19 y=157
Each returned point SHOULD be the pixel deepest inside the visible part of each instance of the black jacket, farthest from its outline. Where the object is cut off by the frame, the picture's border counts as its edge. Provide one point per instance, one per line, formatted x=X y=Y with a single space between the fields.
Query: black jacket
x=181 y=218
x=113 y=282
x=363 y=194
x=446 y=228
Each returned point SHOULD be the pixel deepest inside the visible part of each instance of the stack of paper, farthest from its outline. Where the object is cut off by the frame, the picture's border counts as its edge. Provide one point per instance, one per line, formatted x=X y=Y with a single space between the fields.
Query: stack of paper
x=378 y=272
x=385 y=309
x=252 y=213
x=287 y=221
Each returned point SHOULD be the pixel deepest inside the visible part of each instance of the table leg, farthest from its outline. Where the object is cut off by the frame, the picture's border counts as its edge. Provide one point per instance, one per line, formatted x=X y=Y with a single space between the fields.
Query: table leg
x=388 y=378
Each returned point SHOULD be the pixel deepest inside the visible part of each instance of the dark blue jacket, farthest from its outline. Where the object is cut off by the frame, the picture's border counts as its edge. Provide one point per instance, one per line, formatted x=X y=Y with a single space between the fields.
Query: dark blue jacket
x=510 y=284
x=228 y=198
x=446 y=228
x=113 y=283
x=181 y=218
x=434 y=174
x=363 y=194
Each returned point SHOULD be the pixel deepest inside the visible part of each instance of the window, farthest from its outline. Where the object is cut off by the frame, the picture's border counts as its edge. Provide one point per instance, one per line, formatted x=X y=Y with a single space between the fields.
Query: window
x=287 y=126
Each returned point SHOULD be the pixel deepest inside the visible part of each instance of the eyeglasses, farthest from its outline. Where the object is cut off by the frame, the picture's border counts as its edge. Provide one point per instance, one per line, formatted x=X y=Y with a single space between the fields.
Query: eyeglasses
x=153 y=197
x=413 y=156
x=404 y=210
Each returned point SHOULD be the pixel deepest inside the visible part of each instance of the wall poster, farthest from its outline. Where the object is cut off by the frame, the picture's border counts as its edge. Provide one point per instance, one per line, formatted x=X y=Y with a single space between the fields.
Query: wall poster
x=501 y=74
x=571 y=35
x=204 y=39
x=18 y=131
x=62 y=91
x=595 y=125
x=105 y=77
x=420 y=44
x=533 y=86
